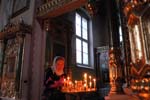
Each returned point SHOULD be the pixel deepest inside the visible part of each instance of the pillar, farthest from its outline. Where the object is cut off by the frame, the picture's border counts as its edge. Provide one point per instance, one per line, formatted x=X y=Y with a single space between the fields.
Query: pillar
x=115 y=68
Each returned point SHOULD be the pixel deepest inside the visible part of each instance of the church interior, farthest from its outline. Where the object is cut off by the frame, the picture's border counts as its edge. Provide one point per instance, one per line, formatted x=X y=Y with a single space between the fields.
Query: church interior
x=105 y=44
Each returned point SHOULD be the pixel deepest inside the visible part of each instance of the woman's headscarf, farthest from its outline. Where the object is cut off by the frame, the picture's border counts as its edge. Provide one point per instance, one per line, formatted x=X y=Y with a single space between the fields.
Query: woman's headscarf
x=53 y=67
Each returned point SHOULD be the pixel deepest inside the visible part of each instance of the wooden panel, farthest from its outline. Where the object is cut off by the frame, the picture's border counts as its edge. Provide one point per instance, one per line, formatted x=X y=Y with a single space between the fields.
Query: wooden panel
x=57 y=9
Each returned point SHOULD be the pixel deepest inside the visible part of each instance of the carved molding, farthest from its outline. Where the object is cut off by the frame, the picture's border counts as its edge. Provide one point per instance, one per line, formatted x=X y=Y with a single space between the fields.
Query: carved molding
x=11 y=30
x=54 y=8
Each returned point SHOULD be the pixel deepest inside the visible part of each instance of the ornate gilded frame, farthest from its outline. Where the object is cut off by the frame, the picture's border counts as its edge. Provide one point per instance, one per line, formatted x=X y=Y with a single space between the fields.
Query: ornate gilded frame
x=10 y=82
x=140 y=19
x=12 y=37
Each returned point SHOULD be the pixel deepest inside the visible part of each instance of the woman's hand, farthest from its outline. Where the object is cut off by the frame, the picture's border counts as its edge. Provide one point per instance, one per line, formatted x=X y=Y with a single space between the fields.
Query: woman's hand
x=58 y=83
x=49 y=79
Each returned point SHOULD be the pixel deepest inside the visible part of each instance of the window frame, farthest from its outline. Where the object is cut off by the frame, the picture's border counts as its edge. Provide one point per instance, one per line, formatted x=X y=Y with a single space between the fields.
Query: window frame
x=82 y=40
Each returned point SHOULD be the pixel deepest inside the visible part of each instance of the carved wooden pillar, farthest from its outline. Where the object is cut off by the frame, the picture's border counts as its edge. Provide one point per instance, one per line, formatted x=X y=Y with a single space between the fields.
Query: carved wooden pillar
x=115 y=68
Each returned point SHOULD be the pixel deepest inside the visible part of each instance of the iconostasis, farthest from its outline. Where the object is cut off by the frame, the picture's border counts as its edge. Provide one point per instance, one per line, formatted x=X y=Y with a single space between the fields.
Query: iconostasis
x=137 y=15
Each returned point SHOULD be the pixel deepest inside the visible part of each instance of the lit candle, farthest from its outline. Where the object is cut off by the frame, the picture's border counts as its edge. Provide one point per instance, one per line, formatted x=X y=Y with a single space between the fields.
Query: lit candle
x=75 y=81
x=68 y=78
x=94 y=83
x=70 y=83
x=75 y=84
x=85 y=76
x=85 y=86
x=85 y=79
x=90 y=84
x=90 y=78
x=64 y=82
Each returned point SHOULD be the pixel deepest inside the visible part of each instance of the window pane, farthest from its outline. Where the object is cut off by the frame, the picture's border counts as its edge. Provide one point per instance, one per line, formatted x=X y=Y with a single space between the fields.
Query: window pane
x=85 y=58
x=78 y=19
x=78 y=57
x=78 y=30
x=84 y=34
x=85 y=47
x=81 y=40
x=78 y=44
x=84 y=23
x=78 y=51
x=78 y=25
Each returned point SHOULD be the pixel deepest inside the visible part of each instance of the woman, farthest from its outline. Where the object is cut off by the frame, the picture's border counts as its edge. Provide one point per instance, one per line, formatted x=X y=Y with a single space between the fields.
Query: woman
x=54 y=80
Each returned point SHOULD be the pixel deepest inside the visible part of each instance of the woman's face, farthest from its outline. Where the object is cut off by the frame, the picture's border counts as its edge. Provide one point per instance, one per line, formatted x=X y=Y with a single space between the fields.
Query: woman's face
x=60 y=65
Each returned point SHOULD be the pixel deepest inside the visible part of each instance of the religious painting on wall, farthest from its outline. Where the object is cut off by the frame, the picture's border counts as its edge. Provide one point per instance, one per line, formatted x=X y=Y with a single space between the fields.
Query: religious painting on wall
x=19 y=6
x=10 y=67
